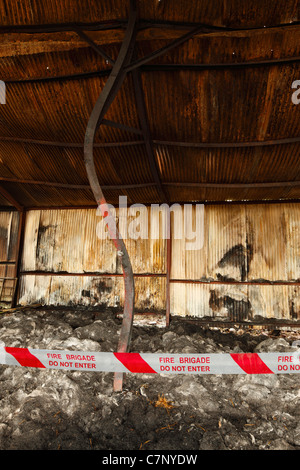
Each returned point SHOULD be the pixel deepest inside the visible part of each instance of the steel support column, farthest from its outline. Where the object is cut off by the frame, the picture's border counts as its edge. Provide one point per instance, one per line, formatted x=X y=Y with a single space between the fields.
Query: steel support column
x=105 y=99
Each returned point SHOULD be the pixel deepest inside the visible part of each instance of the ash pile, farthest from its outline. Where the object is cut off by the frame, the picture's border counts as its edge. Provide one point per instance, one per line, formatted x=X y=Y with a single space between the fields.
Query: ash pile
x=78 y=410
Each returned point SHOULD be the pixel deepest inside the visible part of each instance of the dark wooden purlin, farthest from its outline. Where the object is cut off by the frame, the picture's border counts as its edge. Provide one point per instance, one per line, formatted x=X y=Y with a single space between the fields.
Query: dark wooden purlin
x=105 y=99
x=142 y=112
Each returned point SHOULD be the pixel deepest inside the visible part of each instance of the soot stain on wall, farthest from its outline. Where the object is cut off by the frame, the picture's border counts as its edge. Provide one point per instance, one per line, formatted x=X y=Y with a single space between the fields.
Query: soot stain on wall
x=238 y=310
x=45 y=239
x=238 y=256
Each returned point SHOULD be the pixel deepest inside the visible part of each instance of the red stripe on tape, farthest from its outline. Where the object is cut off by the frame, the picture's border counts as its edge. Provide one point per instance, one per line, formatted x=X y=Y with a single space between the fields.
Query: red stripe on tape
x=24 y=357
x=134 y=363
x=251 y=363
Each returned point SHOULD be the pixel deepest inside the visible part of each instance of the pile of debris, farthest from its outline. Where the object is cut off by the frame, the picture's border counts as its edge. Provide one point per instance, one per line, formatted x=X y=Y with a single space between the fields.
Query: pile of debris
x=59 y=409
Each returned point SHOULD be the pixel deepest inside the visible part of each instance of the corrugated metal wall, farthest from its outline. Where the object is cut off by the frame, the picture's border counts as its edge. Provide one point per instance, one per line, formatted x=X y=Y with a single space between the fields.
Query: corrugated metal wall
x=84 y=269
x=9 y=223
x=249 y=264
x=9 y=248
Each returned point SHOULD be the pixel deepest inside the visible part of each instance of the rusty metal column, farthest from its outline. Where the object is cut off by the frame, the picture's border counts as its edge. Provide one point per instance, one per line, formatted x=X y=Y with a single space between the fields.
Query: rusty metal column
x=105 y=99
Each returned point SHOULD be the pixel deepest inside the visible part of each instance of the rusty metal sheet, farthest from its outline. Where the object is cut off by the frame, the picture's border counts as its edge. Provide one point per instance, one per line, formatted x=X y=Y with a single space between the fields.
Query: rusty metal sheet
x=91 y=291
x=223 y=105
x=235 y=13
x=242 y=244
x=31 y=13
x=69 y=241
x=236 y=302
x=266 y=236
x=9 y=222
x=212 y=301
x=227 y=165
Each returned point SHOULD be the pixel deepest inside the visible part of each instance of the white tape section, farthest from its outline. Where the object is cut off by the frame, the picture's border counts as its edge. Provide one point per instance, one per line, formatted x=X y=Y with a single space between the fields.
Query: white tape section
x=244 y=363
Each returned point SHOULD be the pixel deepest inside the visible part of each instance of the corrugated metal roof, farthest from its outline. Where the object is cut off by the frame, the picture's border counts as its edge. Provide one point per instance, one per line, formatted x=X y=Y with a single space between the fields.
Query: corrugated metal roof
x=223 y=105
x=66 y=11
x=214 y=94
x=232 y=13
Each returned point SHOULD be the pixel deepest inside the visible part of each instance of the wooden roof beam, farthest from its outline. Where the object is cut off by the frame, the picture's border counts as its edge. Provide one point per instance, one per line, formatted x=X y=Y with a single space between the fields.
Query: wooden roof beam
x=11 y=199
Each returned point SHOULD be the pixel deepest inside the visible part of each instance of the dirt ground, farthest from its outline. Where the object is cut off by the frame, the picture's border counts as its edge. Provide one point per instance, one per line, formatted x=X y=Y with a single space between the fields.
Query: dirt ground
x=70 y=410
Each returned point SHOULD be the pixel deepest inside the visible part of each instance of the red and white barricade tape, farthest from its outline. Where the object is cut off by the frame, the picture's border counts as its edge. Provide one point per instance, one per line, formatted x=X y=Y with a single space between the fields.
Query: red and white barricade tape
x=147 y=363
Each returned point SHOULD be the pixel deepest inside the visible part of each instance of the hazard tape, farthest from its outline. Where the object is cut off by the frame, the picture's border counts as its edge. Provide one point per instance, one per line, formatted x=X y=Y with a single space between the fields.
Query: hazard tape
x=147 y=363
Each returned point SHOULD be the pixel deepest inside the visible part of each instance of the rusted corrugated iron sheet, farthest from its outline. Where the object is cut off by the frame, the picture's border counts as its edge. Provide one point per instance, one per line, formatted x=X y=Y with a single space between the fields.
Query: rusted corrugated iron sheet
x=247 y=267
x=41 y=195
x=59 y=54
x=273 y=233
x=68 y=241
x=224 y=47
x=228 y=165
x=150 y=293
x=215 y=301
x=9 y=231
x=65 y=241
x=42 y=163
x=222 y=105
x=233 y=13
x=32 y=12
x=223 y=255
x=53 y=55
x=243 y=244
x=266 y=235
x=59 y=110
x=236 y=302
x=229 y=105
x=9 y=222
